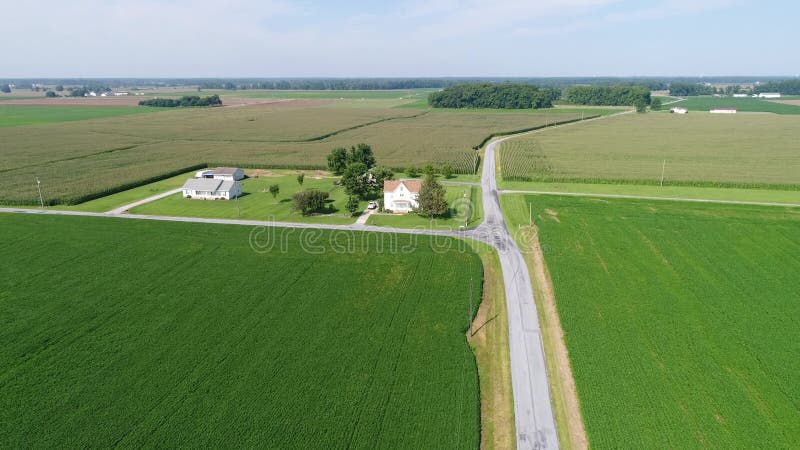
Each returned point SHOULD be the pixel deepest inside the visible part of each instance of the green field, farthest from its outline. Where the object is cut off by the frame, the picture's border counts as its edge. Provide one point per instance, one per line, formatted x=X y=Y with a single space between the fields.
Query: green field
x=210 y=343
x=680 y=319
x=743 y=150
x=257 y=203
x=748 y=104
x=17 y=115
x=76 y=160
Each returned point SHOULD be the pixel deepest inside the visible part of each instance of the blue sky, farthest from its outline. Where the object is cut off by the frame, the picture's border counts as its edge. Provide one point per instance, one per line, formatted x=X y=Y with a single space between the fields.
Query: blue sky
x=405 y=38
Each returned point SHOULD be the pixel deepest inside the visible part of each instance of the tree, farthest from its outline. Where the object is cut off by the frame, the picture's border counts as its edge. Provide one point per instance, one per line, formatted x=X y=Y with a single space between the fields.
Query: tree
x=362 y=153
x=432 y=200
x=412 y=172
x=337 y=160
x=59 y=88
x=640 y=105
x=354 y=180
x=274 y=190
x=352 y=204
x=6 y=89
x=300 y=178
x=429 y=170
x=309 y=201
x=379 y=175
x=447 y=171
x=655 y=104
x=50 y=94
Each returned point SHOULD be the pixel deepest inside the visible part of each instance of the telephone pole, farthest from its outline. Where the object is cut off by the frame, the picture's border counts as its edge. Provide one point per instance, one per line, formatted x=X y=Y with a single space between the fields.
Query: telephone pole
x=39 y=188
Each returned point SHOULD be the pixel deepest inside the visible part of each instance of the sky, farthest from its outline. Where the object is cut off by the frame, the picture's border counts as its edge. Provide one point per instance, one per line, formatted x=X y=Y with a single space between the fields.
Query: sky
x=402 y=38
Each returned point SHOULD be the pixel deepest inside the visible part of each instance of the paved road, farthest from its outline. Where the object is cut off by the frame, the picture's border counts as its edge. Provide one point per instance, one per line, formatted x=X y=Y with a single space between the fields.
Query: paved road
x=646 y=197
x=125 y=208
x=533 y=412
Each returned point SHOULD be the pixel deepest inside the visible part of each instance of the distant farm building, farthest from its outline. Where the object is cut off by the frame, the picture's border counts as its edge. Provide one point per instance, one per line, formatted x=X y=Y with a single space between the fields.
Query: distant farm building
x=401 y=195
x=740 y=95
x=211 y=189
x=221 y=173
x=722 y=111
x=679 y=110
x=769 y=95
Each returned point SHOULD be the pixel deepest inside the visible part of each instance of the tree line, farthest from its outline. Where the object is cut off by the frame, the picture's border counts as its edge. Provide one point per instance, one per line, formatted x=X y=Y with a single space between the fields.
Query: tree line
x=785 y=87
x=185 y=101
x=608 y=95
x=491 y=95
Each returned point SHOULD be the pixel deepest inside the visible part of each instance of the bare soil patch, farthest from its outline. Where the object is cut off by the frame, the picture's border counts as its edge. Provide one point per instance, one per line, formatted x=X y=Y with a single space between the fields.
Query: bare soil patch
x=787 y=102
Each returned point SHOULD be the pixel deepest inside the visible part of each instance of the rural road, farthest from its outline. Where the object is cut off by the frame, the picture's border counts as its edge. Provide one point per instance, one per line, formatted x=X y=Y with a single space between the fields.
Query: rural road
x=533 y=412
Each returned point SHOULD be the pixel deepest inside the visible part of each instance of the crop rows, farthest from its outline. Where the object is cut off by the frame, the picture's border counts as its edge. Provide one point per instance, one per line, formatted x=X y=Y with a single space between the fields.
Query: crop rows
x=679 y=319
x=298 y=347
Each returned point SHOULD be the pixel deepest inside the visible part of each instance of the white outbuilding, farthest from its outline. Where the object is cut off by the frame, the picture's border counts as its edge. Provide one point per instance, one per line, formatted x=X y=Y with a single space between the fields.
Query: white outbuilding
x=769 y=95
x=211 y=189
x=401 y=195
x=221 y=173
x=679 y=110
x=722 y=111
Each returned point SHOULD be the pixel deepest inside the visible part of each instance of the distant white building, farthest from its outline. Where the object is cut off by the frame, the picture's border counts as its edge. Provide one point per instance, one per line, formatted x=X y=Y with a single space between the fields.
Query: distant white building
x=118 y=94
x=221 y=173
x=401 y=195
x=740 y=95
x=679 y=110
x=722 y=111
x=769 y=95
x=211 y=189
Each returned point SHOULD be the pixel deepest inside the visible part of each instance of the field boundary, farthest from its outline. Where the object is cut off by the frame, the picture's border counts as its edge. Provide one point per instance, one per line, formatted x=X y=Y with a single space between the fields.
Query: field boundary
x=654 y=182
x=646 y=197
x=527 y=130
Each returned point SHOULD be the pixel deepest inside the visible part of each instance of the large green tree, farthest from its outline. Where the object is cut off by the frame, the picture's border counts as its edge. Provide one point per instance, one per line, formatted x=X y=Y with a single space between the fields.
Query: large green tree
x=362 y=153
x=337 y=160
x=309 y=201
x=432 y=200
x=355 y=180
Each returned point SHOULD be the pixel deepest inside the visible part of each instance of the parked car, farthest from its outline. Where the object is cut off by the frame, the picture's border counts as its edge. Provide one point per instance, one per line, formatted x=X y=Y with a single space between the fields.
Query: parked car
x=372 y=205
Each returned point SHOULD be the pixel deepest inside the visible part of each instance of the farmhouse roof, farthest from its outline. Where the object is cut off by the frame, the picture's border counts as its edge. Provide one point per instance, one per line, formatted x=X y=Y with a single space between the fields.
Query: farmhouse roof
x=412 y=185
x=203 y=184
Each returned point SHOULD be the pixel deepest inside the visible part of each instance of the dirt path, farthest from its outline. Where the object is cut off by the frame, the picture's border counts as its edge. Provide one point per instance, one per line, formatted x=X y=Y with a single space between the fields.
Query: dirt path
x=124 y=208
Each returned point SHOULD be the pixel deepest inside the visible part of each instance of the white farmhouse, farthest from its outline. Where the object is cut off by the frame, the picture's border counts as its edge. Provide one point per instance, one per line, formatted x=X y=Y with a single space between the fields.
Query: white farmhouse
x=221 y=173
x=401 y=195
x=211 y=189
x=769 y=95
x=722 y=111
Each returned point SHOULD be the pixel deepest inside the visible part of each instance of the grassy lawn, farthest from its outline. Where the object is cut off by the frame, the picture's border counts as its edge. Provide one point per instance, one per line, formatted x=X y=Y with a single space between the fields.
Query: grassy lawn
x=463 y=200
x=704 y=103
x=679 y=318
x=212 y=344
x=16 y=115
x=745 y=195
x=742 y=150
x=258 y=203
x=107 y=203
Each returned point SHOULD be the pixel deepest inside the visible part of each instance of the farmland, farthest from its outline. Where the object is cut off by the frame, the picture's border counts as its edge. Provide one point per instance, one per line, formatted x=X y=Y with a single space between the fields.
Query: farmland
x=258 y=203
x=747 y=150
x=748 y=104
x=283 y=347
x=15 y=115
x=679 y=318
x=77 y=161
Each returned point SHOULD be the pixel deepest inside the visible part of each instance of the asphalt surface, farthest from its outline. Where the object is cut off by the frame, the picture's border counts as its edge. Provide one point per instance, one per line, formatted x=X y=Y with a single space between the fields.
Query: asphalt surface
x=533 y=412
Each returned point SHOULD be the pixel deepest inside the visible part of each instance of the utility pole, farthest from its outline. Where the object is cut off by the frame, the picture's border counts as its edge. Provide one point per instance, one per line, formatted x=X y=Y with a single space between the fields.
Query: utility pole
x=663 y=166
x=39 y=187
x=238 y=211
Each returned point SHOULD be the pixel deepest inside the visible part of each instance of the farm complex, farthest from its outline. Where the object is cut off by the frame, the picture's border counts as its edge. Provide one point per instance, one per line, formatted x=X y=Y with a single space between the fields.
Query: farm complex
x=554 y=263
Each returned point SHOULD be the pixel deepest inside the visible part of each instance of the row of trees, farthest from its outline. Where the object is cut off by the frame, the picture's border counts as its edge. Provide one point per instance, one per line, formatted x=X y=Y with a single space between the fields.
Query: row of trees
x=638 y=96
x=786 y=87
x=185 y=101
x=491 y=95
x=690 y=89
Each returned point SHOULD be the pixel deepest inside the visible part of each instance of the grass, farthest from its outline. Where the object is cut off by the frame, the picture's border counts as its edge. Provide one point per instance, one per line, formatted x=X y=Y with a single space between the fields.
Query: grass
x=727 y=194
x=80 y=159
x=107 y=203
x=679 y=318
x=213 y=344
x=489 y=341
x=747 y=151
x=18 y=115
x=747 y=104
x=258 y=203
x=466 y=207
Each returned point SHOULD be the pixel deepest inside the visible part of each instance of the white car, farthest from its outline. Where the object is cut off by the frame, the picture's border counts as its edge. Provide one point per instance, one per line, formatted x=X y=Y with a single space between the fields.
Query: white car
x=372 y=205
